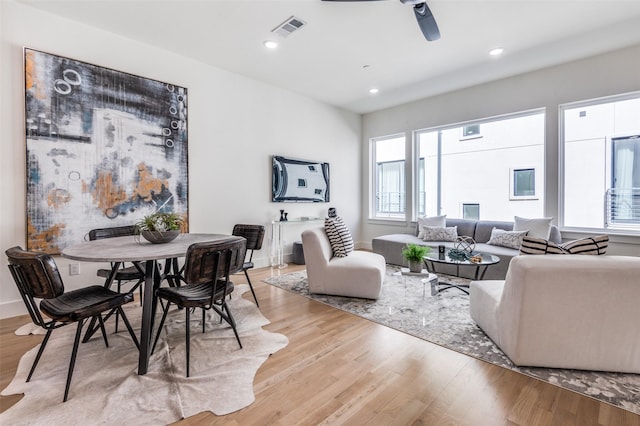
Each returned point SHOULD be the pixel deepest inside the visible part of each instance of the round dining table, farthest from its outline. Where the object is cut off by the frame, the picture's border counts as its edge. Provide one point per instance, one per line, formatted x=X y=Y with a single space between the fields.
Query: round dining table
x=136 y=249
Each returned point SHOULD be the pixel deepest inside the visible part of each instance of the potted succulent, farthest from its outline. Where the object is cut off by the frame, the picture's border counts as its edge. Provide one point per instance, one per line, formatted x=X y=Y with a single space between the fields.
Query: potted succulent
x=160 y=227
x=414 y=254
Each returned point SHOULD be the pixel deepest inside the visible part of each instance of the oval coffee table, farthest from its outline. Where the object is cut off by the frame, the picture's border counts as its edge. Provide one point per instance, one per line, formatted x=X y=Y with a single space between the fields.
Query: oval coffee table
x=481 y=267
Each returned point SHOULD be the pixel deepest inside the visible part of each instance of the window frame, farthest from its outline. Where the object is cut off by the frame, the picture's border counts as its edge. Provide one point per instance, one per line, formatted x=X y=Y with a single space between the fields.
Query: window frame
x=466 y=137
x=416 y=149
x=562 y=108
x=465 y=204
x=512 y=183
x=374 y=182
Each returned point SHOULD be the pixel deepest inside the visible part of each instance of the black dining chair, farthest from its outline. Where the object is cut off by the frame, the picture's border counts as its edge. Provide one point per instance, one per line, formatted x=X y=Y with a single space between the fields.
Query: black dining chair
x=207 y=269
x=254 y=235
x=134 y=273
x=37 y=277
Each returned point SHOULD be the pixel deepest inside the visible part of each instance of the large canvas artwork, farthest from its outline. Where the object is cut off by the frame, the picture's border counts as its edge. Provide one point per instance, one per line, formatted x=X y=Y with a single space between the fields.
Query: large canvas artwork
x=104 y=148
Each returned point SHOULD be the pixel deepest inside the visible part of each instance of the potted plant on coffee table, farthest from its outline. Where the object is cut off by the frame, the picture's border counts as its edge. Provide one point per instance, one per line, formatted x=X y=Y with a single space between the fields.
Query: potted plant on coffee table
x=160 y=227
x=414 y=254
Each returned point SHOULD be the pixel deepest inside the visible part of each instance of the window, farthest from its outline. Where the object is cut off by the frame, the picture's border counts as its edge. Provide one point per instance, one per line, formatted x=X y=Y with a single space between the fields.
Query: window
x=471 y=211
x=302 y=183
x=450 y=172
x=600 y=164
x=472 y=131
x=523 y=184
x=389 y=199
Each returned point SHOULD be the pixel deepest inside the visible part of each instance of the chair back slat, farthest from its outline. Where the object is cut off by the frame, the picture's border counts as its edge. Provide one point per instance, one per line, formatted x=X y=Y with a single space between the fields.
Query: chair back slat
x=253 y=233
x=118 y=231
x=36 y=276
x=210 y=261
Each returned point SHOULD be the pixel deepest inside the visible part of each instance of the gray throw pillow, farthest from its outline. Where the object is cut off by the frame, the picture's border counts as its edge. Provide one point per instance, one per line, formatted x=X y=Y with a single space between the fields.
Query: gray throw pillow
x=509 y=239
x=430 y=221
x=440 y=233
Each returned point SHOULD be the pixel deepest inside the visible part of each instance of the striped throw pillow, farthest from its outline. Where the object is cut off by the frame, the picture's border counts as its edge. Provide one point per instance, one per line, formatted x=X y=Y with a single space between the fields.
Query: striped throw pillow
x=533 y=245
x=339 y=236
x=591 y=245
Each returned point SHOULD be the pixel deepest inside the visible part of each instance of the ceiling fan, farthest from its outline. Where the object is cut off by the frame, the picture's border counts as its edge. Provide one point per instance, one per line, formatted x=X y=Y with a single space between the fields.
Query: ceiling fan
x=426 y=21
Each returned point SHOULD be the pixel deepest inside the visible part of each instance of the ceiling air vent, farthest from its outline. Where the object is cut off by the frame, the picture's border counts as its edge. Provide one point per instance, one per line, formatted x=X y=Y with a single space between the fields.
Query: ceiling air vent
x=290 y=25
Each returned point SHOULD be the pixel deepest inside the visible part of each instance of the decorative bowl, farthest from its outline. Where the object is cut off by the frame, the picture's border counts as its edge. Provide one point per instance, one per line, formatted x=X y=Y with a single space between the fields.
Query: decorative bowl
x=160 y=237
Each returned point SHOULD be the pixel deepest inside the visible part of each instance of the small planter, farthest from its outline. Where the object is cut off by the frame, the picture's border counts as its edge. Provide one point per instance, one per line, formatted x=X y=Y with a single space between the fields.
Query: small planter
x=159 y=237
x=414 y=254
x=415 y=266
x=160 y=227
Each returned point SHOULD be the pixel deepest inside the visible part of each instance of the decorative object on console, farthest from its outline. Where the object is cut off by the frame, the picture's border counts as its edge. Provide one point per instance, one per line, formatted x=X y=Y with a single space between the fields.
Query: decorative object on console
x=414 y=255
x=465 y=243
x=510 y=239
x=332 y=212
x=296 y=181
x=102 y=142
x=160 y=227
x=538 y=228
x=339 y=236
x=437 y=233
x=591 y=245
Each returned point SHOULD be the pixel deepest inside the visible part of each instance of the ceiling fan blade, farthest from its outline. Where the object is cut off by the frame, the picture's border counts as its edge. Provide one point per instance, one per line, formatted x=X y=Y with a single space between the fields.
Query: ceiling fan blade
x=426 y=21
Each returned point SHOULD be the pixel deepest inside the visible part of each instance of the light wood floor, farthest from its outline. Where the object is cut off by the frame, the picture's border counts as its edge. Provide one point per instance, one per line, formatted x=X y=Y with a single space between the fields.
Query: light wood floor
x=342 y=369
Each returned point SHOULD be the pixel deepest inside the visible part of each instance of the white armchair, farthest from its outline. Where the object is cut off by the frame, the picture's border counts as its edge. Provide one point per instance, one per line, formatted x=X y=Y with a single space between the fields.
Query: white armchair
x=564 y=311
x=360 y=274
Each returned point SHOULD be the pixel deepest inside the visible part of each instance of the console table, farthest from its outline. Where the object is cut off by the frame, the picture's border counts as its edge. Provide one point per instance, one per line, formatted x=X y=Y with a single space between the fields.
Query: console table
x=277 y=240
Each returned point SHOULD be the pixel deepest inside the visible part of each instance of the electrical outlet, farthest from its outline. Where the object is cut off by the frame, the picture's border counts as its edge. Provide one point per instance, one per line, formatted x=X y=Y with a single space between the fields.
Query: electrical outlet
x=74 y=269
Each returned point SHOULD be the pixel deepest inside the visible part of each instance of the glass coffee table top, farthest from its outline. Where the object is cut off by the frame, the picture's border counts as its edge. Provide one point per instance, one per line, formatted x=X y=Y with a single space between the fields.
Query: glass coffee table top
x=485 y=259
x=481 y=262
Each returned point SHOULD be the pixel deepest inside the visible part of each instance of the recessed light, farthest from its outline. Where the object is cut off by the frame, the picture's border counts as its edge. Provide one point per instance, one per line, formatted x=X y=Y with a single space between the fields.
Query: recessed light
x=496 y=52
x=270 y=44
x=374 y=90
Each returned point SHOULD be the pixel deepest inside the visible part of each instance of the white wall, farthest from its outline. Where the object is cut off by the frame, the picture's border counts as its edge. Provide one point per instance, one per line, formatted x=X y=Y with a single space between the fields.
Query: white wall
x=608 y=74
x=235 y=125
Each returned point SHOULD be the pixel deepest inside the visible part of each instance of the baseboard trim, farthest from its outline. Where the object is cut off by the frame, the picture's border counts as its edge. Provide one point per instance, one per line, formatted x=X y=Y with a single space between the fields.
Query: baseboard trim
x=12 y=309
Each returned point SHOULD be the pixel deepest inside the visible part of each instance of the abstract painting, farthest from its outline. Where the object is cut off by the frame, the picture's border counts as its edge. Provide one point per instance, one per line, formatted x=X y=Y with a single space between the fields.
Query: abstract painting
x=104 y=148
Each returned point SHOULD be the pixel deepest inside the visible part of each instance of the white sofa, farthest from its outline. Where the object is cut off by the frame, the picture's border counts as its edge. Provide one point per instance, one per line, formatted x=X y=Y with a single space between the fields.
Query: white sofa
x=360 y=274
x=564 y=311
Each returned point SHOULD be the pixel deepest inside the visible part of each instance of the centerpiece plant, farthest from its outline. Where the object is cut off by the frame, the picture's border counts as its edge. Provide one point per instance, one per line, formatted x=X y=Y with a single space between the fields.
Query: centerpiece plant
x=414 y=254
x=160 y=227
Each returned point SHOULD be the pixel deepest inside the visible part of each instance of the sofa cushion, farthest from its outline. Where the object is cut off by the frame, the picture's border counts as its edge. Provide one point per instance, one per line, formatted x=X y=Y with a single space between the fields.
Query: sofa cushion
x=511 y=239
x=339 y=236
x=538 y=228
x=484 y=228
x=430 y=221
x=438 y=233
x=466 y=227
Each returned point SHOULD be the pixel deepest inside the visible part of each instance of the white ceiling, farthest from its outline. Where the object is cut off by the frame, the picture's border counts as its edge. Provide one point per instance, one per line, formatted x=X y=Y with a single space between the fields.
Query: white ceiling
x=325 y=59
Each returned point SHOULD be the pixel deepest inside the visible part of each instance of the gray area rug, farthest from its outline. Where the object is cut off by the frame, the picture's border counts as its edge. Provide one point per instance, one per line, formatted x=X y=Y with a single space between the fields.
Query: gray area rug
x=106 y=388
x=406 y=304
